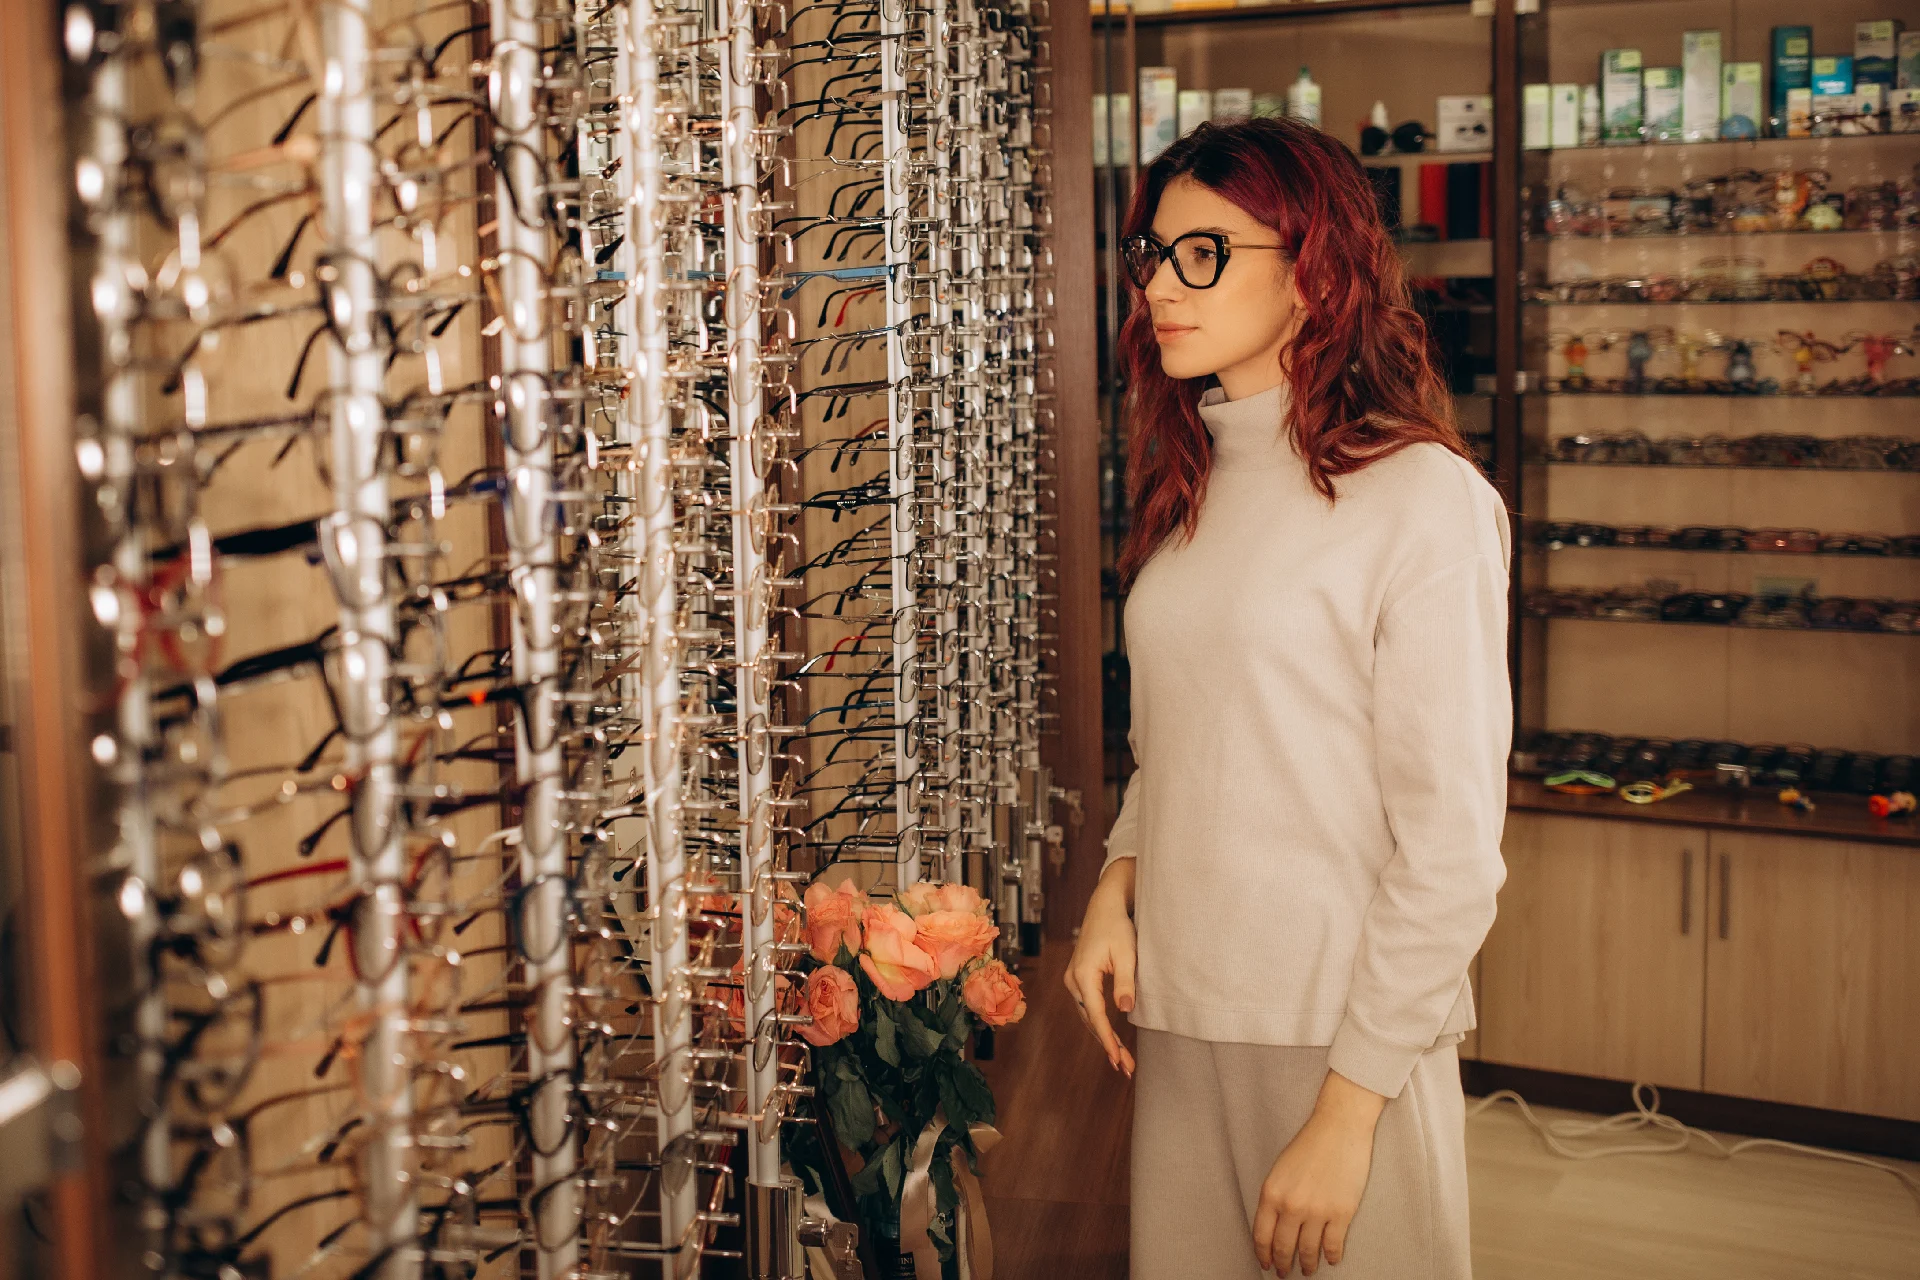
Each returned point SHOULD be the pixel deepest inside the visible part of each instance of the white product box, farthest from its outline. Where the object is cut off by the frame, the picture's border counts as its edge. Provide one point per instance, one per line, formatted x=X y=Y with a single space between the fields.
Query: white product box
x=1112 y=129
x=1231 y=105
x=1700 y=91
x=1466 y=123
x=1564 y=125
x=1196 y=107
x=1537 y=100
x=1903 y=110
x=1159 y=111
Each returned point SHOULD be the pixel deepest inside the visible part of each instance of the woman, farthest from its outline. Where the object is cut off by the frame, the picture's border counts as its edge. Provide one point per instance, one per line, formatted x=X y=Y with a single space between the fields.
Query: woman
x=1307 y=859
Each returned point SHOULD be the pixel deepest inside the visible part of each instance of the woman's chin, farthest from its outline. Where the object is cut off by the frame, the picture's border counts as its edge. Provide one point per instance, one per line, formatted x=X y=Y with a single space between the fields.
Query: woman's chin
x=1185 y=364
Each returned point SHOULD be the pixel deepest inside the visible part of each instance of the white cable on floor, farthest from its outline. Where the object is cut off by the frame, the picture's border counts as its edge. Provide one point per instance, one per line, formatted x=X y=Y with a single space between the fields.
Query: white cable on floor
x=1648 y=1115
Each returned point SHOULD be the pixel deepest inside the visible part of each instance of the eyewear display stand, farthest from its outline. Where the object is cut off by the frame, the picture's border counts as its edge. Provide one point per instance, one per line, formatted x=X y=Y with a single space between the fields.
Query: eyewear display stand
x=504 y=496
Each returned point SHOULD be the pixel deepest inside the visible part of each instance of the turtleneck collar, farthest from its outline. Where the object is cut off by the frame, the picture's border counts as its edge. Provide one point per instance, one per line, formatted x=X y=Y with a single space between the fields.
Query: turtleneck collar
x=1248 y=434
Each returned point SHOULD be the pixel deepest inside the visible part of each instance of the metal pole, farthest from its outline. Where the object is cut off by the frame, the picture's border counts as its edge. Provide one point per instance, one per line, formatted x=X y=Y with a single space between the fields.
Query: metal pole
x=751 y=588
x=356 y=366
x=528 y=415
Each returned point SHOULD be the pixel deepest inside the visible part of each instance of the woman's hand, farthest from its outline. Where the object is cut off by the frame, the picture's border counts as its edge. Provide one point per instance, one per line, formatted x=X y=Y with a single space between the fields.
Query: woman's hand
x=1314 y=1188
x=1105 y=946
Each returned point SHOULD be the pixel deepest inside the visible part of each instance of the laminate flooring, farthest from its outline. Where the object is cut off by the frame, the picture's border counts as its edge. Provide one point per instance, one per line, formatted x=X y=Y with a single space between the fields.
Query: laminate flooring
x=1057 y=1186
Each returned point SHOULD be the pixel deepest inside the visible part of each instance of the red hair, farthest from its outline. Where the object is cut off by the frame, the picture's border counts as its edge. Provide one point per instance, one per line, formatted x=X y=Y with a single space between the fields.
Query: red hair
x=1360 y=367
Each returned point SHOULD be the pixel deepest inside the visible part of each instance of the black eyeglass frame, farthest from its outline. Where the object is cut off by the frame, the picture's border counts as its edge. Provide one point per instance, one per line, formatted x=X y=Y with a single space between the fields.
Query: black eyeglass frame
x=1166 y=253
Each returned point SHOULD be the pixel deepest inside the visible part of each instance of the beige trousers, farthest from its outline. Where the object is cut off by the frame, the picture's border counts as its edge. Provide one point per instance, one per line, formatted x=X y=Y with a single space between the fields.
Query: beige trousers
x=1209 y=1120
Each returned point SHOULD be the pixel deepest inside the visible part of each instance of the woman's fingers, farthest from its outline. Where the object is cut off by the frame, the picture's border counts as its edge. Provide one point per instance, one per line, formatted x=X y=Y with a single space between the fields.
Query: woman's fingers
x=1311 y=1233
x=1123 y=980
x=1286 y=1239
x=1335 y=1243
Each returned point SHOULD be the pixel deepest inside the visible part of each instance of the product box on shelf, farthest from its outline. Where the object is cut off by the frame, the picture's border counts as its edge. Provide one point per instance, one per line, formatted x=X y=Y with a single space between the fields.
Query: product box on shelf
x=1661 y=104
x=1269 y=106
x=1700 y=102
x=1196 y=106
x=1538 y=102
x=1465 y=123
x=1903 y=111
x=1740 y=87
x=1832 y=75
x=1799 y=117
x=1112 y=130
x=1230 y=105
x=1876 y=50
x=1620 y=95
x=1848 y=113
x=1906 y=71
x=1564 y=125
x=1792 y=69
x=1159 y=111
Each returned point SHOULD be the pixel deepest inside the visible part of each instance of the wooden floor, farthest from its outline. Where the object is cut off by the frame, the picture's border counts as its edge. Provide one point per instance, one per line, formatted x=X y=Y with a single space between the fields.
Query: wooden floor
x=1057 y=1186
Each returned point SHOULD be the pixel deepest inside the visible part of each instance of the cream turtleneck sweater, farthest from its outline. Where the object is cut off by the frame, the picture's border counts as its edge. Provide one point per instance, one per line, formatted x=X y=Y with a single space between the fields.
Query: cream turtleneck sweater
x=1321 y=719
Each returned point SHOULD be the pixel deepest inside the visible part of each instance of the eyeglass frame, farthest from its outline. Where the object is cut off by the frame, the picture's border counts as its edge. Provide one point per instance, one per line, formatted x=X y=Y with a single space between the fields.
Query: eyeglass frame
x=1166 y=255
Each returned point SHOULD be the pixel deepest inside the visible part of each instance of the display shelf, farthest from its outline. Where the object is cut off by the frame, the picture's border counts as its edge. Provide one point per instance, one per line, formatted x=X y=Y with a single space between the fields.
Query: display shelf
x=1840 y=816
x=1731 y=302
x=1724 y=626
x=1728 y=551
x=1541 y=238
x=1725 y=466
x=1269 y=12
x=1646 y=148
x=1716 y=395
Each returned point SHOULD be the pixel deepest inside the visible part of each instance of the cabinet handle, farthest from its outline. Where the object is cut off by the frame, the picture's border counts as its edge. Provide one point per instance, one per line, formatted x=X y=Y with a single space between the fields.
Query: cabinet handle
x=1725 y=874
x=1686 y=892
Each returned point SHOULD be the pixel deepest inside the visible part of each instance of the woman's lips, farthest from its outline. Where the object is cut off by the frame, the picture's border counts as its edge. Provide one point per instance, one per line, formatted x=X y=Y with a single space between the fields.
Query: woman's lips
x=1168 y=332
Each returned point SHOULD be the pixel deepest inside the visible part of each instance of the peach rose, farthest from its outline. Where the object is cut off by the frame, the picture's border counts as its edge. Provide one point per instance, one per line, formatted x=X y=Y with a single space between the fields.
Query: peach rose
x=735 y=996
x=834 y=1001
x=994 y=994
x=833 y=917
x=928 y=896
x=896 y=965
x=954 y=937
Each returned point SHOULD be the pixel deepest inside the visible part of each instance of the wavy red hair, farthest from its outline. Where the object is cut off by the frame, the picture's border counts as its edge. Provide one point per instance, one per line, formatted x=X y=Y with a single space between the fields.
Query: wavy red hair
x=1360 y=367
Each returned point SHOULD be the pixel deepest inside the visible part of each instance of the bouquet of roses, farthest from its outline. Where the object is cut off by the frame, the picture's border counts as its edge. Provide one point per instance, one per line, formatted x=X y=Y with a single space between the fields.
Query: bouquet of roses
x=896 y=990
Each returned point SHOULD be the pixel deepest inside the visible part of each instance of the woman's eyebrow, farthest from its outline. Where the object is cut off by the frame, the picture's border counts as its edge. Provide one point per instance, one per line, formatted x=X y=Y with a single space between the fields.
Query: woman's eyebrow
x=1218 y=231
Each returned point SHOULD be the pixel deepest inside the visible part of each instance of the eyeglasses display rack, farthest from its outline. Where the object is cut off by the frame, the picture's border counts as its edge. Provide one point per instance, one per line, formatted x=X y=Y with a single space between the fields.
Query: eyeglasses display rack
x=1715 y=582
x=553 y=480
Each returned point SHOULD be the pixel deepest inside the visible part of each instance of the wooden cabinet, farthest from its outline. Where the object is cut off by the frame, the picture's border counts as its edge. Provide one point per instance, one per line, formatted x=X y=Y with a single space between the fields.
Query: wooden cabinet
x=1596 y=964
x=1813 y=973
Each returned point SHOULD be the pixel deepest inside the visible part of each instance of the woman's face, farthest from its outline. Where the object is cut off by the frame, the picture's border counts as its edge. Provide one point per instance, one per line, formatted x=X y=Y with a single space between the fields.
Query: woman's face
x=1238 y=329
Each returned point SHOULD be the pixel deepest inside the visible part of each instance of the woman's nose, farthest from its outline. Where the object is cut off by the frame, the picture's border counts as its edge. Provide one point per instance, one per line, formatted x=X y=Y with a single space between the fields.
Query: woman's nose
x=1165 y=285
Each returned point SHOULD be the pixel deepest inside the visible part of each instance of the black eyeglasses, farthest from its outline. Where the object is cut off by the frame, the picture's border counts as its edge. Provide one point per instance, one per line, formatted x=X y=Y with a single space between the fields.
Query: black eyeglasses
x=1198 y=257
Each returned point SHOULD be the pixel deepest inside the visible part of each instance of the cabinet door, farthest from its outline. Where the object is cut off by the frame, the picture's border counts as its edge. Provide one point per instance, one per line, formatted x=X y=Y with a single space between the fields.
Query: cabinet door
x=1596 y=963
x=1813 y=973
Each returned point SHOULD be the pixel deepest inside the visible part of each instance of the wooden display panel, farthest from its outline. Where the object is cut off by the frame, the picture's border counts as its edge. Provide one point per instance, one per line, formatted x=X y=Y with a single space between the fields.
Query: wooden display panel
x=1596 y=962
x=1813 y=973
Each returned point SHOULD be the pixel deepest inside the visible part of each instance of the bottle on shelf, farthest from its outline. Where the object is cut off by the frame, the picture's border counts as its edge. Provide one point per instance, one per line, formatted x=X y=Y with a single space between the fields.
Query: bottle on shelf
x=1303 y=99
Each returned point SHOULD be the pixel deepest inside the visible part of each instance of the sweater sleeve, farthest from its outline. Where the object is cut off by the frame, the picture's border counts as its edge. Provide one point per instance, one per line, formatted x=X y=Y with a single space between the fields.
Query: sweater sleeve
x=1442 y=733
x=1123 y=839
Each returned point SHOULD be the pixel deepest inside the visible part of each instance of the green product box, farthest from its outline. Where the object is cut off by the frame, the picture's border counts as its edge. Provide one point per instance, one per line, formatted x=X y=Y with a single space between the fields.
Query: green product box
x=1876 y=51
x=1661 y=104
x=1792 y=69
x=1700 y=100
x=1620 y=96
x=1832 y=76
x=1740 y=85
x=1906 y=72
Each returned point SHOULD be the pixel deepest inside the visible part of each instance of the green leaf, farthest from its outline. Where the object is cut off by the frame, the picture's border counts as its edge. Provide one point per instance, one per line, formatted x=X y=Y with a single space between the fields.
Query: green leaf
x=922 y=1040
x=976 y=1095
x=851 y=1107
x=866 y=1183
x=884 y=1029
x=893 y=1165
